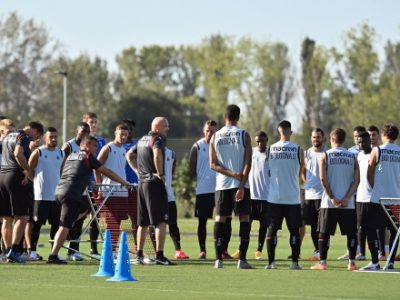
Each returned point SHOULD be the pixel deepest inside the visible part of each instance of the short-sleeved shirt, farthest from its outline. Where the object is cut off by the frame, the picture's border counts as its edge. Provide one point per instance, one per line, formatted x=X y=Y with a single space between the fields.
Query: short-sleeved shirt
x=76 y=174
x=8 y=161
x=145 y=155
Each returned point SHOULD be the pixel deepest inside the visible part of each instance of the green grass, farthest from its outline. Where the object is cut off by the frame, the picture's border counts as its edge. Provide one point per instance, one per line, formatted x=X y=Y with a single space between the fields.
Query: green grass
x=194 y=279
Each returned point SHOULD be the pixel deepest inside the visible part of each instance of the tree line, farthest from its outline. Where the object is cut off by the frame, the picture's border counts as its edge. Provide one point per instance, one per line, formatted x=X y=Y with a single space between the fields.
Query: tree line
x=329 y=87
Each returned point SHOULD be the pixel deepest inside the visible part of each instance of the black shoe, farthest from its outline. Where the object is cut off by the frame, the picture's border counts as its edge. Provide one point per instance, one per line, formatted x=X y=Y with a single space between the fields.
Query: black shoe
x=164 y=261
x=54 y=259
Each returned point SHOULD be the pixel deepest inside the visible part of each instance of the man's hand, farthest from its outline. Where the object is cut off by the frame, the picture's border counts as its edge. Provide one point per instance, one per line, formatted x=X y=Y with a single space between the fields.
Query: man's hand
x=336 y=202
x=239 y=195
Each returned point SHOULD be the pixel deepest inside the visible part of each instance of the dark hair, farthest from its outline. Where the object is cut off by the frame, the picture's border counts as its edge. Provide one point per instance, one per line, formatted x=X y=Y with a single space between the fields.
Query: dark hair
x=359 y=128
x=320 y=131
x=83 y=124
x=129 y=122
x=391 y=131
x=373 y=128
x=364 y=135
x=51 y=129
x=88 y=138
x=339 y=135
x=122 y=126
x=3 y=117
x=261 y=134
x=232 y=112
x=38 y=126
x=285 y=124
x=210 y=123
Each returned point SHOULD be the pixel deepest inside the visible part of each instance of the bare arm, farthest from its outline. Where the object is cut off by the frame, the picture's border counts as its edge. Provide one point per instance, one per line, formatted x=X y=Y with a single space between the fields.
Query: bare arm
x=132 y=160
x=324 y=181
x=102 y=157
x=353 y=187
x=247 y=162
x=113 y=176
x=33 y=160
x=159 y=162
x=214 y=165
x=193 y=161
x=371 y=168
x=302 y=174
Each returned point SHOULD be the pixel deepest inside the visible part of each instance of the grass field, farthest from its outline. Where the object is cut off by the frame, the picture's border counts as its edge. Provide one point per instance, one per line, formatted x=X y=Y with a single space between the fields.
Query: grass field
x=194 y=279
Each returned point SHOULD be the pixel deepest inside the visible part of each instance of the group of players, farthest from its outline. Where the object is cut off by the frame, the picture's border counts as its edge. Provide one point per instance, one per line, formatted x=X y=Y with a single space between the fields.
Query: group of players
x=261 y=183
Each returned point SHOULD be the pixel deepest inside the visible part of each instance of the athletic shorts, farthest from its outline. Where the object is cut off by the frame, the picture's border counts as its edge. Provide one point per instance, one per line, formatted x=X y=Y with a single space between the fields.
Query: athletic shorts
x=44 y=211
x=172 y=212
x=330 y=217
x=204 y=206
x=369 y=215
x=310 y=212
x=15 y=197
x=71 y=209
x=291 y=213
x=225 y=203
x=259 y=211
x=152 y=203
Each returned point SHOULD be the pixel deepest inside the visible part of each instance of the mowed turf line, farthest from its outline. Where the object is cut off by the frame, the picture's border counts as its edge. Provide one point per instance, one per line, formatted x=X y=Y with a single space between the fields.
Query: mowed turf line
x=194 y=279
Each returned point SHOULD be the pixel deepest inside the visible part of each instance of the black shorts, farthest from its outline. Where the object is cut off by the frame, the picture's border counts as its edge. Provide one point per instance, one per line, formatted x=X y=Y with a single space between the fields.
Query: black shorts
x=46 y=211
x=172 y=212
x=329 y=217
x=15 y=197
x=291 y=213
x=259 y=211
x=369 y=215
x=204 y=206
x=310 y=212
x=71 y=209
x=225 y=203
x=152 y=203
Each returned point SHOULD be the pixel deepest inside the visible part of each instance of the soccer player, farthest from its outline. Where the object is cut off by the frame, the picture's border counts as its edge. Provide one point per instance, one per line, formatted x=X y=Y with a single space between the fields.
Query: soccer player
x=312 y=185
x=91 y=119
x=259 y=184
x=45 y=168
x=147 y=159
x=230 y=157
x=374 y=135
x=15 y=197
x=383 y=172
x=112 y=156
x=73 y=146
x=369 y=214
x=286 y=163
x=76 y=173
x=169 y=168
x=340 y=177
x=356 y=133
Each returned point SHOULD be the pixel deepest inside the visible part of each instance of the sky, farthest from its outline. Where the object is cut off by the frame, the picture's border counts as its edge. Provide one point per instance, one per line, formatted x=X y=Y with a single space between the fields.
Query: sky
x=105 y=28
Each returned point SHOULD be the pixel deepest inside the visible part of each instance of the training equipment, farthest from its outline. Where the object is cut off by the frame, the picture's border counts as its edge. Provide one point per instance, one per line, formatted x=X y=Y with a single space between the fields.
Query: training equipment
x=391 y=206
x=106 y=267
x=123 y=268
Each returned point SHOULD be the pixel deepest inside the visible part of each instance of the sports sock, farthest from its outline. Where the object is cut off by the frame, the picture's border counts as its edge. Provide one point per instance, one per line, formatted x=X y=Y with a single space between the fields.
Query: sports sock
x=244 y=234
x=93 y=235
x=35 y=235
x=227 y=234
x=272 y=241
x=362 y=237
x=175 y=235
x=139 y=253
x=295 y=243
x=352 y=245
x=373 y=245
x=202 y=234
x=262 y=232
x=392 y=245
x=159 y=254
x=314 y=237
x=219 y=230
x=323 y=246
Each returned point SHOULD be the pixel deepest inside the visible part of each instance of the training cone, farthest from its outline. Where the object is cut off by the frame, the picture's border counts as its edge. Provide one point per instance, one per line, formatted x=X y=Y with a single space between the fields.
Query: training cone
x=123 y=268
x=106 y=267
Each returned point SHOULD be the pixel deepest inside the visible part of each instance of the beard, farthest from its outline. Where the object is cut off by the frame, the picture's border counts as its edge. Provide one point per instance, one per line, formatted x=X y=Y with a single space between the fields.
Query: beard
x=317 y=144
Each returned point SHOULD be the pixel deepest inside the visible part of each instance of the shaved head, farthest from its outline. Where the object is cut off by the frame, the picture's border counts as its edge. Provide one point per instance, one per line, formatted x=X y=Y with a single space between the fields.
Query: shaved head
x=160 y=125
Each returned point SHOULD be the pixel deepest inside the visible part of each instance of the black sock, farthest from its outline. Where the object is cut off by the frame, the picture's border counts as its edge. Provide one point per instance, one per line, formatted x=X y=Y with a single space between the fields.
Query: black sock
x=139 y=253
x=262 y=232
x=219 y=230
x=202 y=234
x=175 y=235
x=362 y=239
x=227 y=234
x=295 y=244
x=15 y=248
x=381 y=237
x=314 y=237
x=159 y=254
x=323 y=245
x=272 y=241
x=244 y=234
x=93 y=235
x=352 y=246
x=392 y=245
